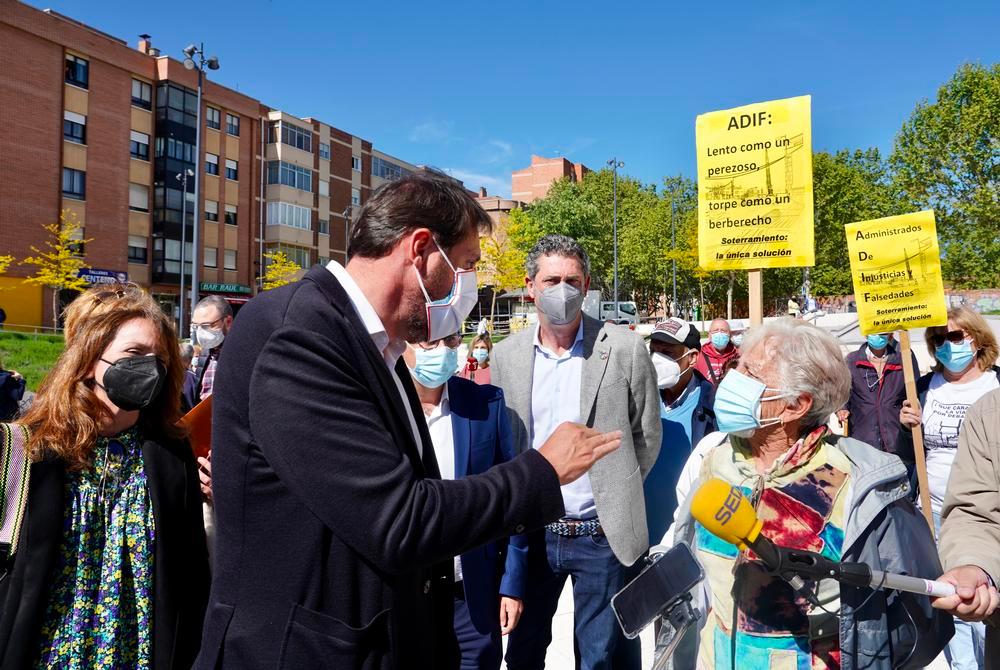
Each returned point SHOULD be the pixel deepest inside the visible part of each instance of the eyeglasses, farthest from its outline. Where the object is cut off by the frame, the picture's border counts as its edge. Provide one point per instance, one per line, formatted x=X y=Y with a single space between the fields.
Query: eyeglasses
x=953 y=336
x=451 y=342
x=207 y=324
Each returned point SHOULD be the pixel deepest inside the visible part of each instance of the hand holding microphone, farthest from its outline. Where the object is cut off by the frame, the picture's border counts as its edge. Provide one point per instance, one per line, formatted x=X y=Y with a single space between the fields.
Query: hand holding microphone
x=725 y=512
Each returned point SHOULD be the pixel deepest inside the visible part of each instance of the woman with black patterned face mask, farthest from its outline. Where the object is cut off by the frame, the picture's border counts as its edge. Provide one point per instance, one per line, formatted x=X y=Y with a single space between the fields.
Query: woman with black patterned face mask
x=109 y=567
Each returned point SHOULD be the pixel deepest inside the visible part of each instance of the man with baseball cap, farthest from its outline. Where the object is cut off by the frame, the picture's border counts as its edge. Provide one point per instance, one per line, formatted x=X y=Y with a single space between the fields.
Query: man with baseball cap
x=686 y=415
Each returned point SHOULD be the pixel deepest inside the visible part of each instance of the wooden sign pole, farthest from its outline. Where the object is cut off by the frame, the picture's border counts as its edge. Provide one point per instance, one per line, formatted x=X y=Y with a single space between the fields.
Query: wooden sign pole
x=755 y=279
x=909 y=378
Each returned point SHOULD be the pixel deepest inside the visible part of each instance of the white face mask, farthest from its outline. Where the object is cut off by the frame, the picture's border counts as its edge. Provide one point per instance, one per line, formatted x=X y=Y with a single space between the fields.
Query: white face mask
x=668 y=371
x=445 y=316
x=209 y=339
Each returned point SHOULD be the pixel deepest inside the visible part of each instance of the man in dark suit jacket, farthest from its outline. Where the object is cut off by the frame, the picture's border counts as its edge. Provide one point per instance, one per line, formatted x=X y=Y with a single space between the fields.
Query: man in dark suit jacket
x=335 y=534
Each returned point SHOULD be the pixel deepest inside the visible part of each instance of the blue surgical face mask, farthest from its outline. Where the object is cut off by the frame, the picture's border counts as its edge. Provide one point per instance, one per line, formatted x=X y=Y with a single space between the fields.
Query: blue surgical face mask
x=435 y=366
x=737 y=340
x=955 y=357
x=481 y=355
x=720 y=340
x=878 y=341
x=737 y=404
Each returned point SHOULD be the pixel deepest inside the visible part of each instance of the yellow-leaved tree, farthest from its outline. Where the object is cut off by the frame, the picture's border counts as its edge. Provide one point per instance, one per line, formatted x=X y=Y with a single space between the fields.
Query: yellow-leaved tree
x=59 y=266
x=280 y=270
x=502 y=263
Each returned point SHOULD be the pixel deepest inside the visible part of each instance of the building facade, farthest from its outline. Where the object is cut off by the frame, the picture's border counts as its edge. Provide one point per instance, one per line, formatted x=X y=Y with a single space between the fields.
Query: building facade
x=533 y=182
x=106 y=132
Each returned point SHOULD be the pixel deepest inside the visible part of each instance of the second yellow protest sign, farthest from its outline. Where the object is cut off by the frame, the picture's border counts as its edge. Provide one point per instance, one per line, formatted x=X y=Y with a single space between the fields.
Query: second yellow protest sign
x=896 y=268
x=755 y=191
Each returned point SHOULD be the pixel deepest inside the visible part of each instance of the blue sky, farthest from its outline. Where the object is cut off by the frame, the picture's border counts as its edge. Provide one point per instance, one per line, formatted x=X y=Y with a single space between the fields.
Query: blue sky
x=477 y=87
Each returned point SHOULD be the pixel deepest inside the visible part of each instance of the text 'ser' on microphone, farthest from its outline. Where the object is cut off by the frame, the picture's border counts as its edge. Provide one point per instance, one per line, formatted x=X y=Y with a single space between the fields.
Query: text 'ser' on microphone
x=726 y=513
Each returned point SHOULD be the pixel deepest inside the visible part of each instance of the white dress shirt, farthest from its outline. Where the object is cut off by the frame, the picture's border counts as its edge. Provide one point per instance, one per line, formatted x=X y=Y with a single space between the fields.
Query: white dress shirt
x=443 y=438
x=555 y=398
x=391 y=350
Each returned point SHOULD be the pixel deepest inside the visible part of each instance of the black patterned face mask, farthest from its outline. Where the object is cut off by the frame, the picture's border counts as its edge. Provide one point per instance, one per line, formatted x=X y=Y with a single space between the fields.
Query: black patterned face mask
x=133 y=382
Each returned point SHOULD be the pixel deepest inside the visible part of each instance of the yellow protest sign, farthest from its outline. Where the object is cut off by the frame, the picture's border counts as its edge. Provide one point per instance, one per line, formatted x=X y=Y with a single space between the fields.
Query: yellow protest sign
x=755 y=193
x=896 y=269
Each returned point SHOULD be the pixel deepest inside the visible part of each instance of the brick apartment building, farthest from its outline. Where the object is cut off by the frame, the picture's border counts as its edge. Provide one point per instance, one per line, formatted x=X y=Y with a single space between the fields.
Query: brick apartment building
x=102 y=129
x=533 y=182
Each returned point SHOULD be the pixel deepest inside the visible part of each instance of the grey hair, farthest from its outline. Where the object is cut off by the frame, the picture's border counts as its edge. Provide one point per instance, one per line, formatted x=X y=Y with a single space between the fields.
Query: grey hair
x=808 y=360
x=556 y=245
x=218 y=302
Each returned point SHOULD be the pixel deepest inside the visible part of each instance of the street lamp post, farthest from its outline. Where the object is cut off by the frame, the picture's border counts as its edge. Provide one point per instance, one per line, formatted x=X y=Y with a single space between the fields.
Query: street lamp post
x=615 y=164
x=212 y=63
x=673 y=247
x=183 y=177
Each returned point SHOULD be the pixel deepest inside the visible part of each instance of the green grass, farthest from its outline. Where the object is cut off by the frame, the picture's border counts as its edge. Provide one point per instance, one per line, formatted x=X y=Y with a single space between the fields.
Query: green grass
x=31 y=355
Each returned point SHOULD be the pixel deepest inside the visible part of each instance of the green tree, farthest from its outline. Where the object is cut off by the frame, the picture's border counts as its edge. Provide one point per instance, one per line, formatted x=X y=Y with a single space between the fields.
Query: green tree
x=279 y=270
x=5 y=262
x=501 y=266
x=947 y=158
x=59 y=266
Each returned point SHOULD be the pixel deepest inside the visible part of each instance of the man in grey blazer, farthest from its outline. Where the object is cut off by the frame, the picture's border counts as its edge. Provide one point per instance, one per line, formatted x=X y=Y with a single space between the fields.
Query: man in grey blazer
x=574 y=368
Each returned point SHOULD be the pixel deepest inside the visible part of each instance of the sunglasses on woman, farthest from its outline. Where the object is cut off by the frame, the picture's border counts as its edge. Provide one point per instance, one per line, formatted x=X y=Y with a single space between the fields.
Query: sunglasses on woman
x=953 y=336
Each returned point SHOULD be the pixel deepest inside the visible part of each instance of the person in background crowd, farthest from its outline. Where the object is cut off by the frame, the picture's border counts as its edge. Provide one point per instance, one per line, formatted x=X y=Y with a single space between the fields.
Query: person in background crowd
x=211 y=320
x=12 y=387
x=336 y=535
x=970 y=524
x=737 y=338
x=793 y=308
x=686 y=415
x=470 y=431
x=716 y=352
x=3 y=317
x=877 y=395
x=965 y=352
x=571 y=367
x=814 y=491
x=187 y=353
x=477 y=367
x=111 y=569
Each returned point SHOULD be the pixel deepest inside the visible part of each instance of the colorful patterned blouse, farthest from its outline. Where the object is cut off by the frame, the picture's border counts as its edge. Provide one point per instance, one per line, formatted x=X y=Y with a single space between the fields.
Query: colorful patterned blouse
x=803 y=503
x=100 y=611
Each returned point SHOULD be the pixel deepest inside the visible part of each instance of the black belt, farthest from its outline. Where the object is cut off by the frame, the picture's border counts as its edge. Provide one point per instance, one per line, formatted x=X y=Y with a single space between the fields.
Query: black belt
x=576 y=527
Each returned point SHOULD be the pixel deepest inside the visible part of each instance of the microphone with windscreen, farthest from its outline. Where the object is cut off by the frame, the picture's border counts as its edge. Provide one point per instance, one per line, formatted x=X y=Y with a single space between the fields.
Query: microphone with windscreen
x=726 y=513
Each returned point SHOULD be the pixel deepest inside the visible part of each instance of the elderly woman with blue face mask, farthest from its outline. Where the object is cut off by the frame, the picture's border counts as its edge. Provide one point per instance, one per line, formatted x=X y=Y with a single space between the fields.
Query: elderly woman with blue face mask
x=965 y=352
x=813 y=491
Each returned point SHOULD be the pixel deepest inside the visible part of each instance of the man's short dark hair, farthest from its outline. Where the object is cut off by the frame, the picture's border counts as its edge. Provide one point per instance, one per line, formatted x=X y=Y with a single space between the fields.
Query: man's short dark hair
x=218 y=302
x=554 y=244
x=437 y=203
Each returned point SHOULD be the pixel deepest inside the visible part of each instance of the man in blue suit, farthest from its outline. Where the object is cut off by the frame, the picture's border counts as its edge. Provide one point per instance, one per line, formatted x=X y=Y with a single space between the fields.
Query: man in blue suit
x=471 y=433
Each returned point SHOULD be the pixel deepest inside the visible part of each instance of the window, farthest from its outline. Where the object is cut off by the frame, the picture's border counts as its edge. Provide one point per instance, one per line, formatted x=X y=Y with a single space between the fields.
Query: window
x=285 y=214
x=211 y=210
x=172 y=255
x=137 y=249
x=386 y=170
x=324 y=227
x=229 y=260
x=355 y=196
x=324 y=188
x=77 y=71
x=356 y=163
x=291 y=135
x=231 y=215
x=142 y=94
x=176 y=149
x=233 y=124
x=324 y=260
x=138 y=197
x=211 y=257
x=75 y=127
x=139 y=146
x=324 y=151
x=74 y=183
x=211 y=164
x=297 y=255
x=232 y=170
x=213 y=118
x=280 y=172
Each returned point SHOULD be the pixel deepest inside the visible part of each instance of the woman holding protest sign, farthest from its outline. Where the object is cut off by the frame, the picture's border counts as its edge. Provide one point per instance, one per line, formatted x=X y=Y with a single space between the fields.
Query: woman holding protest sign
x=965 y=352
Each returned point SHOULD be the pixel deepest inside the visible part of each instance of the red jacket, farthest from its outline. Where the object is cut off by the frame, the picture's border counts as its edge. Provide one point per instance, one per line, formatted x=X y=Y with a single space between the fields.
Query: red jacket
x=711 y=361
